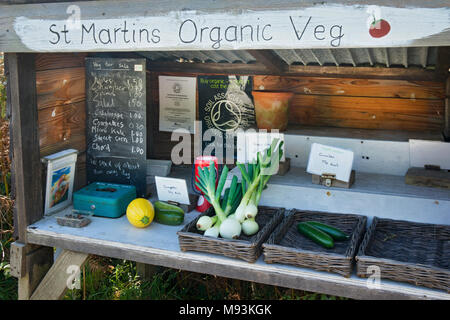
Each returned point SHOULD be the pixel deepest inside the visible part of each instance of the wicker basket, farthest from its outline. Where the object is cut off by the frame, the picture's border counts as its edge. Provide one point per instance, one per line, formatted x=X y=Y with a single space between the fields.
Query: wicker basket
x=287 y=246
x=412 y=252
x=245 y=248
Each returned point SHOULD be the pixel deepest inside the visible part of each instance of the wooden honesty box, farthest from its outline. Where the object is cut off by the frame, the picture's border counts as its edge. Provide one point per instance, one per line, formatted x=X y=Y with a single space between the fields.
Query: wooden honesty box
x=329 y=180
x=428 y=177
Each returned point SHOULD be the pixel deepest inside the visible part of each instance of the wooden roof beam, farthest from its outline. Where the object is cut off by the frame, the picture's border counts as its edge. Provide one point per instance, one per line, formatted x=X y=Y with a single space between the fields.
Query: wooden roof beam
x=210 y=67
x=364 y=72
x=269 y=59
x=296 y=70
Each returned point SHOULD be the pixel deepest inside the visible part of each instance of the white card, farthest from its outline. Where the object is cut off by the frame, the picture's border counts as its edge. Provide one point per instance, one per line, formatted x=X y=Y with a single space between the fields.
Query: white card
x=171 y=189
x=249 y=143
x=331 y=160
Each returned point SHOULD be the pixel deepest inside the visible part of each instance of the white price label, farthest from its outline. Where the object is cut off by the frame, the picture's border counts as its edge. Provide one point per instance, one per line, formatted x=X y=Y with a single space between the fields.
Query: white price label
x=330 y=160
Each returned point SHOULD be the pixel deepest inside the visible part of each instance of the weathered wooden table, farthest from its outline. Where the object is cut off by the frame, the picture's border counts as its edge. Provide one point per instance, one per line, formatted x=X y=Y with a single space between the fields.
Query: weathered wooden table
x=158 y=245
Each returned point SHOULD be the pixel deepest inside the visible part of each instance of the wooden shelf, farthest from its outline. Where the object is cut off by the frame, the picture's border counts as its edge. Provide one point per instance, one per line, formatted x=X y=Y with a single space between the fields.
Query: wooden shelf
x=375 y=151
x=158 y=245
x=380 y=195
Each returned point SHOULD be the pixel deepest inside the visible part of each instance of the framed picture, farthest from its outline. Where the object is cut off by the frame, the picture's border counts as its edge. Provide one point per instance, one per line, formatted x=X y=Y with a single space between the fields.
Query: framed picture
x=60 y=178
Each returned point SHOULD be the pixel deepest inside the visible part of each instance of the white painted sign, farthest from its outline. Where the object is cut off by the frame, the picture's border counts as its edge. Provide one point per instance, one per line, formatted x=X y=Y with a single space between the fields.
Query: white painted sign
x=331 y=160
x=423 y=152
x=171 y=189
x=250 y=142
x=177 y=103
x=319 y=26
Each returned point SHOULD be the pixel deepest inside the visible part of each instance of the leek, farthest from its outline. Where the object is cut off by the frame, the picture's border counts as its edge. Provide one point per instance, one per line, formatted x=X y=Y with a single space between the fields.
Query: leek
x=207 y=184
x=256 y=177
x=236 y=211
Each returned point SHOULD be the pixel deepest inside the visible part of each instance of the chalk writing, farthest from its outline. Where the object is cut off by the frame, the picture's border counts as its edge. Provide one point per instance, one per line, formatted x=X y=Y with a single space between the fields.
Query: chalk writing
x=330 y=160
x=170 y=189
x=116 y=140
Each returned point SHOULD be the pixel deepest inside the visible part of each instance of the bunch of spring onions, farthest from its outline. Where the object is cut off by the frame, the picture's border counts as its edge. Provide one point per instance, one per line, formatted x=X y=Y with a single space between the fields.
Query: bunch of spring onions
x=236 y=211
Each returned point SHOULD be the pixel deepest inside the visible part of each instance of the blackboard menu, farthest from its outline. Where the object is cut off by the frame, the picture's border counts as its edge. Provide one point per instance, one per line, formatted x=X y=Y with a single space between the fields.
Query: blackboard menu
x=116 y=121
x=226 y=105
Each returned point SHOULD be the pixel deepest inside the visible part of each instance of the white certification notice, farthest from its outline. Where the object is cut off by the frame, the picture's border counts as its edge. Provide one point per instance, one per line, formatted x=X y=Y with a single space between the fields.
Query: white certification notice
x=177 y=103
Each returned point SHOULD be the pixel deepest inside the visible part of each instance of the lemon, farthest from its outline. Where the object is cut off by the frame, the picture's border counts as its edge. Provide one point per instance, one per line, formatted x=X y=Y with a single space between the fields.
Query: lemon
x=140 y=212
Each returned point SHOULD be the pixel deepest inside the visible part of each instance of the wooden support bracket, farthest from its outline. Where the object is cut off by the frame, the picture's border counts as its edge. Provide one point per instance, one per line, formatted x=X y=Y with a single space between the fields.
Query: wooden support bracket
x=17 y=259
x=64 y=271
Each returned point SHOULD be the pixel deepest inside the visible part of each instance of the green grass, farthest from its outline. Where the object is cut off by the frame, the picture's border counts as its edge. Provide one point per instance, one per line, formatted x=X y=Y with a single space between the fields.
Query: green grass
x=8 y=284
x=110 y=279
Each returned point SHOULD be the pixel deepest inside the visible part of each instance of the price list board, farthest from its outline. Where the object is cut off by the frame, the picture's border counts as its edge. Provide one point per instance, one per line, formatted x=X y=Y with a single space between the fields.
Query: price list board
x=116 y=121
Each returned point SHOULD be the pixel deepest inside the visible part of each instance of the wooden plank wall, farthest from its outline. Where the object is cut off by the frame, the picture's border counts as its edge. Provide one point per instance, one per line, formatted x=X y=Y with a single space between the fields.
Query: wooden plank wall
x=382 y=104
x=361 y=103
x=60 y=86
x=407 y=104
x=447 y=110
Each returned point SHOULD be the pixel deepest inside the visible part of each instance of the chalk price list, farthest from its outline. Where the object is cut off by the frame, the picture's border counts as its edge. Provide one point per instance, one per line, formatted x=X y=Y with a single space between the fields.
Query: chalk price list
x=112 y=128
x=137 y=134
x=116 y=117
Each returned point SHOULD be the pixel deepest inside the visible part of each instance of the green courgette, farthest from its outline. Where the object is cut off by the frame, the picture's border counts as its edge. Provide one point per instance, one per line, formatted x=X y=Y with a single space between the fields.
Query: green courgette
x=315 y=235
x=166 y=213
x=335 y=233
x=167 y=206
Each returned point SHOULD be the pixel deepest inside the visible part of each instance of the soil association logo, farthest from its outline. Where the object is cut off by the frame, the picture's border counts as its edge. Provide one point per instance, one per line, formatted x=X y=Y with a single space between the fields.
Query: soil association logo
x=233 y=117
x=176 y=87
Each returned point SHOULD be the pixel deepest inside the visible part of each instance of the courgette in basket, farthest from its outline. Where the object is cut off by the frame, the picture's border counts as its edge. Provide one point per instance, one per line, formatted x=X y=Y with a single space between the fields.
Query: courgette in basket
x=335 y=233
x=316 y=235
x=166 y=213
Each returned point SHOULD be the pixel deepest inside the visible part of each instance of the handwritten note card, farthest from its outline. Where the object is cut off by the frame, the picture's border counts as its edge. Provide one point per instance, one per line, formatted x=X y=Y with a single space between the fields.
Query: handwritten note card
x=171 y=189
x=331 y=160
x=249 y=143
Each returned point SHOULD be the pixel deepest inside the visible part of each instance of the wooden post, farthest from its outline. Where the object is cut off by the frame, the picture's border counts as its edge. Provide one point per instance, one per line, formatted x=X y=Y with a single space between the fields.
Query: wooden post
x=26 y=168
x=38 y=261
x=24 y=122
x=146 y=271
x=447 y=110
x=443 y=63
